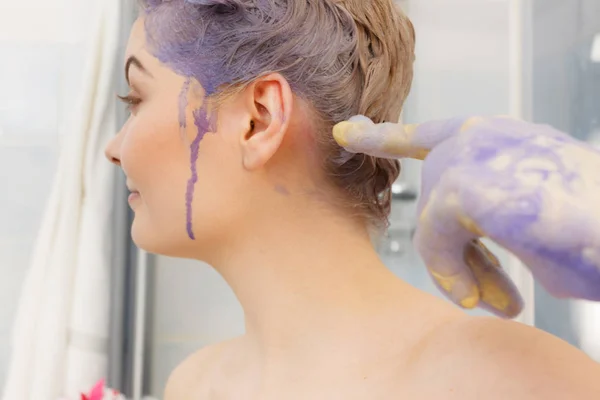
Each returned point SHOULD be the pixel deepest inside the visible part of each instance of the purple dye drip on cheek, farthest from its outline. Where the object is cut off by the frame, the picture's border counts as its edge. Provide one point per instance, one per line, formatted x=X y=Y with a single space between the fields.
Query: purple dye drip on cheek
x=202 y=123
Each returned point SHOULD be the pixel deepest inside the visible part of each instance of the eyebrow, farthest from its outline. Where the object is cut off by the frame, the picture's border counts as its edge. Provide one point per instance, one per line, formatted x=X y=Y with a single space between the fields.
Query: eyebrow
x=133 y=60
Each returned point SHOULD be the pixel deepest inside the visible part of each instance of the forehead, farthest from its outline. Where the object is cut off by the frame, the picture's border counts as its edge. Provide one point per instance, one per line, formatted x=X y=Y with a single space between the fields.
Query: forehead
x=137 y=38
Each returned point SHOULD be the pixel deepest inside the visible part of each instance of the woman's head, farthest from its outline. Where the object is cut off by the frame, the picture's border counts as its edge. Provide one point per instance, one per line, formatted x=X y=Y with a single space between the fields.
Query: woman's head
x=255 y=87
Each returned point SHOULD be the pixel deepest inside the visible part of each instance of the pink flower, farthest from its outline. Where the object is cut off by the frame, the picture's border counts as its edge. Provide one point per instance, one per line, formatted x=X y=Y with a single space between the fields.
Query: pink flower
x=97 y=392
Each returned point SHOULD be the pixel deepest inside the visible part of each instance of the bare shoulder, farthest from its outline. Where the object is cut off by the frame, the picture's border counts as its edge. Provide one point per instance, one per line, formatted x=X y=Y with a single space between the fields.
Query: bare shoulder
x=190 y=379
x=496 y=359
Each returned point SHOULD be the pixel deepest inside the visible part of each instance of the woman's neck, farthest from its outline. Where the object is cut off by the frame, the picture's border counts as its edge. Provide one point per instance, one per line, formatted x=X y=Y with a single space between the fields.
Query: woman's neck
x=306 y=281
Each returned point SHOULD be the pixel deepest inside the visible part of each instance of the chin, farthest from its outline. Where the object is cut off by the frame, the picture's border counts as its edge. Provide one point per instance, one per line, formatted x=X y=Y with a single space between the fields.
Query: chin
x=144 y=241
x=167 y=242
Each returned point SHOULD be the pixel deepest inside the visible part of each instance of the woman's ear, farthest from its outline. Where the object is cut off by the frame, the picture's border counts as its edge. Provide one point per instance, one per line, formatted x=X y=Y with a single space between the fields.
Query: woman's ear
x=270 y=102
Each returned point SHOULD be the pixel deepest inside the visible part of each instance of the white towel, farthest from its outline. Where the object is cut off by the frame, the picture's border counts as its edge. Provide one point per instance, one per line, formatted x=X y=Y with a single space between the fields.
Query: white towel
x=61 y=329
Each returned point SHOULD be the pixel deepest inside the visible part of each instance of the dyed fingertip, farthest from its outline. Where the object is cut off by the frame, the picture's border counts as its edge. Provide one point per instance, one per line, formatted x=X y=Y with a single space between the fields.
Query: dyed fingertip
x=340 y=133
x=461 y=293
x=498 y=294
x=470 y=302
x=347 y=132
x=501 y=301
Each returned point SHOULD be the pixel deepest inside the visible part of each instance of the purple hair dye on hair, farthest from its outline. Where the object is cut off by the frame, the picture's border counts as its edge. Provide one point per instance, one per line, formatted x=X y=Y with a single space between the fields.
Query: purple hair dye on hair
x=343 y=58
x=183 y=102
x=223 y=43
x=202 y=123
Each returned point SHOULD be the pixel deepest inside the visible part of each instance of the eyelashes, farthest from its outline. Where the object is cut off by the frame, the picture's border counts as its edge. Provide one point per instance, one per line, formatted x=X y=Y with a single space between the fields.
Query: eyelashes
x=130 y=100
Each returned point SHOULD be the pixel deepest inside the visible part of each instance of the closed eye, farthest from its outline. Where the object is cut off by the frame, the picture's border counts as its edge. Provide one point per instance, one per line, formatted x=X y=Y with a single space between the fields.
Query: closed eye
x=130 y=100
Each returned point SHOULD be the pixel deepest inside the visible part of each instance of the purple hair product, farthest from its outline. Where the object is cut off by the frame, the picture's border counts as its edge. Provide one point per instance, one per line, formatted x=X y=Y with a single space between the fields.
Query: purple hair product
x=183 y=102
x=202 y=123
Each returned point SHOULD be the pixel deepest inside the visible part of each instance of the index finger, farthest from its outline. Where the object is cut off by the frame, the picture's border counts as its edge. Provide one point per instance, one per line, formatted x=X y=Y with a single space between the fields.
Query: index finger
x=388 y=140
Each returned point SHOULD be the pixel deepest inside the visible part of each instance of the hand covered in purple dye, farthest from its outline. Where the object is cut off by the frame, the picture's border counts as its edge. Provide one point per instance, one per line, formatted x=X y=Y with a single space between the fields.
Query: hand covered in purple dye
x=531 y=189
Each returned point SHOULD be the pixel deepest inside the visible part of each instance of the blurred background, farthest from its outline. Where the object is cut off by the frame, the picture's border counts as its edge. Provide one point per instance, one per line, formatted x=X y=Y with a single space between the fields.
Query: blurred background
x=534 y=59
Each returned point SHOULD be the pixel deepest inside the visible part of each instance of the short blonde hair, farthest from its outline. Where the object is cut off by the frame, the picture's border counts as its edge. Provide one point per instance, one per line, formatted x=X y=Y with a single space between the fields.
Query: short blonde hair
x=344 y=57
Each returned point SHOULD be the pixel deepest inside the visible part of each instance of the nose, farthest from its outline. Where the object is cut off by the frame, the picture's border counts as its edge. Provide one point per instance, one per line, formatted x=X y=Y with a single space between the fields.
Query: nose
x=113 y=150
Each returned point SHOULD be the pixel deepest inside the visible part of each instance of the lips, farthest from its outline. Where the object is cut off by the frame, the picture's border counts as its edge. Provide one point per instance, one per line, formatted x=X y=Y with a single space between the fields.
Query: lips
x=134 y=195
x=133 y=198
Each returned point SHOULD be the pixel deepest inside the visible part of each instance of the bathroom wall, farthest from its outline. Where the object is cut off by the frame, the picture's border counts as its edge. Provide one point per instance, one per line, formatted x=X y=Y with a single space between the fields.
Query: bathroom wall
x=566 y=94
x=192 y=307
x=462 y=68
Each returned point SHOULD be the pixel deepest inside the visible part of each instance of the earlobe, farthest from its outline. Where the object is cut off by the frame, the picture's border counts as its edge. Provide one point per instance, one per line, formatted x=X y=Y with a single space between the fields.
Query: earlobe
x=270 y=101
